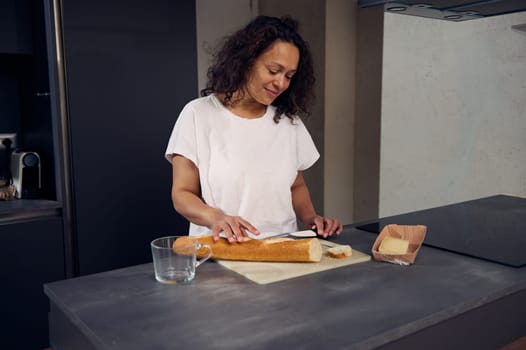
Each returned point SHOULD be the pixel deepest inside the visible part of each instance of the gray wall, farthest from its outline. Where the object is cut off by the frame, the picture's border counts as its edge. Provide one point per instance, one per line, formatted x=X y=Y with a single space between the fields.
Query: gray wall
x=216 y=19
x=340 y=114
x=369 y=47
x=453 y=111
x=411 y=112
x=311 y=15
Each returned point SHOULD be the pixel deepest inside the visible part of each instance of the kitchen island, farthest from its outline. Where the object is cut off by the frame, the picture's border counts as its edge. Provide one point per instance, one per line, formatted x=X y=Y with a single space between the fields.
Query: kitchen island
x=444 y=301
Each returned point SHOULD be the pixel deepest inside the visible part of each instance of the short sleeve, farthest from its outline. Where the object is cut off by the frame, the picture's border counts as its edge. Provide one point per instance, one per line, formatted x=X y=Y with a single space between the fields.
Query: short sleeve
x=306 y=149
x=183 y=138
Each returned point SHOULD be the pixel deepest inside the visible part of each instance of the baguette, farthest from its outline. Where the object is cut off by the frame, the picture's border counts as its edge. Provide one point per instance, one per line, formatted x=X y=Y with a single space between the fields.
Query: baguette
x=270 y=249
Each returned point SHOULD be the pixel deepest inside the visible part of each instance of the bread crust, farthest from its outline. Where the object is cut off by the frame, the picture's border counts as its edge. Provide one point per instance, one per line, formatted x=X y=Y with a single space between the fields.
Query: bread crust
x=270 y=249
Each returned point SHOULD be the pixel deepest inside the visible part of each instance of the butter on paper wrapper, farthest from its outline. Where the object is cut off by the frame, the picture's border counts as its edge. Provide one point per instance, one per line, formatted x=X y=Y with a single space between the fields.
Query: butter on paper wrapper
x=415 y=234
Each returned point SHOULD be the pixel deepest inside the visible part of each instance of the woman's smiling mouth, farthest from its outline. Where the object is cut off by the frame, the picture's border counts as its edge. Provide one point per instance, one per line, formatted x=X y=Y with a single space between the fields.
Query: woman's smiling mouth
x=272 y=94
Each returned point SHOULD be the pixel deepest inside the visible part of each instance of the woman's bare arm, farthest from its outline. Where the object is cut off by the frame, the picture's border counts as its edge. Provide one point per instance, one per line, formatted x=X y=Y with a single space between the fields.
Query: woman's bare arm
x=186 y=198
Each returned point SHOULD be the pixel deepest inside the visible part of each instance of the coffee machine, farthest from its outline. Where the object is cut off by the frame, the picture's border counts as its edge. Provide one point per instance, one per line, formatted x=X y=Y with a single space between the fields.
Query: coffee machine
x=26 y=174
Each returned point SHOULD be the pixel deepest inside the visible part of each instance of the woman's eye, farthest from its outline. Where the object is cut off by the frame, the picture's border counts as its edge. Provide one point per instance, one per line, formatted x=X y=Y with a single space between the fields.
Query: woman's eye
x=273 y=72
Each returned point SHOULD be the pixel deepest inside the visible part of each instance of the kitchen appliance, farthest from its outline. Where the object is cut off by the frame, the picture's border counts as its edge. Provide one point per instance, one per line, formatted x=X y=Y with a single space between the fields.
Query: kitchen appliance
x=449 y=10
x=26 y=174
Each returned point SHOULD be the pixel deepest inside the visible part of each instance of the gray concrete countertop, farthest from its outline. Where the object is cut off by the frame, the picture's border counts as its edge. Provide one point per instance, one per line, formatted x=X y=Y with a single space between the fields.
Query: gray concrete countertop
x=362 y=306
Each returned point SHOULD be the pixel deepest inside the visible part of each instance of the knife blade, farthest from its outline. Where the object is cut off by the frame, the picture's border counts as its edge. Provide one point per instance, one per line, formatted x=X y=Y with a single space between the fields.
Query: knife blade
x=299 y=234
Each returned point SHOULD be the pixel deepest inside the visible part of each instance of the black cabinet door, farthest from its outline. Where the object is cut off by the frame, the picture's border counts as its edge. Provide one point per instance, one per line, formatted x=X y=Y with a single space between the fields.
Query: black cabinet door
x=15 y=27
x=130 y=68
x=32 y=254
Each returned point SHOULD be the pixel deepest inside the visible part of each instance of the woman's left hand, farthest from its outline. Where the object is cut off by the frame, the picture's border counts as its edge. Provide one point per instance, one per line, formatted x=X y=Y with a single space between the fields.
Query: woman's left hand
x=325 y=226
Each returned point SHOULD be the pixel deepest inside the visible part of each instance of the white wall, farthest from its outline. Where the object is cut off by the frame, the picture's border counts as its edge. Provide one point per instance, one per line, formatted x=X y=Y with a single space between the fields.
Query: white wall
x=453 y=111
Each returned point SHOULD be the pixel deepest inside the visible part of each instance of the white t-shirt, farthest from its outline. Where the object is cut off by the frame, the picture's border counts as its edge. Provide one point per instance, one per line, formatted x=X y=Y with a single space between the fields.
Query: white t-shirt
x=246 y=166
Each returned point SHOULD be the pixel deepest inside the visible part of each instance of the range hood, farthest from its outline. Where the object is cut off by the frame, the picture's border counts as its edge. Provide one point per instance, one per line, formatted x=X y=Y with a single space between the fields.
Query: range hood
x=450 y=10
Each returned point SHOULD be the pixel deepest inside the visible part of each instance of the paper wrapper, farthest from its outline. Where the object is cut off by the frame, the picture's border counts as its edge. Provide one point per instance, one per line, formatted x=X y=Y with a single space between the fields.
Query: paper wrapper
x=414 y=233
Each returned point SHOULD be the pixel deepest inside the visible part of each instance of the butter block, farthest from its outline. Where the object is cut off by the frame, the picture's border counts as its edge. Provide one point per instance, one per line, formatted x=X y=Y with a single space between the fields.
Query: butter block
x=395 y=246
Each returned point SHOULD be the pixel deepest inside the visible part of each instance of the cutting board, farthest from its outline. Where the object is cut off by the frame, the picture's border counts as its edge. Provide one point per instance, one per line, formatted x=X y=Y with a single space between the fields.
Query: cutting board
x=270 y=272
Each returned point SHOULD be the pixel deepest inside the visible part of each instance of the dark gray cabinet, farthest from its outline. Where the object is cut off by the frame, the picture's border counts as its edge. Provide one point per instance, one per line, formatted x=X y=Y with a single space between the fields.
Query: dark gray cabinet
x=130 y=67
x=31 y=231
x=95 y=91
x=24 y=85
x=15 y=27
x=32 y=254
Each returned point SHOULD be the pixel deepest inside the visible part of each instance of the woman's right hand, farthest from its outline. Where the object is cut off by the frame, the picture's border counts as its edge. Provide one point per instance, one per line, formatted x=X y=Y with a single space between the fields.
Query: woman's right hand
x=235 y=227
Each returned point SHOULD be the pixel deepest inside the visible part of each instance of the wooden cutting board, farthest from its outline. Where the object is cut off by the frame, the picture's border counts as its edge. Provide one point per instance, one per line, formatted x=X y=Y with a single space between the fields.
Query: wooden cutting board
x=270 y=272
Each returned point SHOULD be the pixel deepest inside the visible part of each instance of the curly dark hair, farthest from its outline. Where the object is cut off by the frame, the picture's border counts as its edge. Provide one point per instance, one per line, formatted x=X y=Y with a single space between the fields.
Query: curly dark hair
x=231 y=64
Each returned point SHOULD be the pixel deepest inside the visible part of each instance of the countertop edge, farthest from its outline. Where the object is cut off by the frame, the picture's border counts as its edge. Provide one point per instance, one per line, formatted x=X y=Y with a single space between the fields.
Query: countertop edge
x=97 y=342
x=433 y=319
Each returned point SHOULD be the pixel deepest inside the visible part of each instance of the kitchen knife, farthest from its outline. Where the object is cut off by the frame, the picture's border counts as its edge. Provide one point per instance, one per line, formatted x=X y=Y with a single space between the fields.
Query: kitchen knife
x=299 y=234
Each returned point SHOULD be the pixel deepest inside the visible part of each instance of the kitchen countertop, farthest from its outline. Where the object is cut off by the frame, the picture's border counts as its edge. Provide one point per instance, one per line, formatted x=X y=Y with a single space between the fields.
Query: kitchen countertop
x=363 y=306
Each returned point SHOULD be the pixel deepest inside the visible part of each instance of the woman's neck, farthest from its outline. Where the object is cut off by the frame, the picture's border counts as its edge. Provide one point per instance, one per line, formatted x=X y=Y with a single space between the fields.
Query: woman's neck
x=245 y=106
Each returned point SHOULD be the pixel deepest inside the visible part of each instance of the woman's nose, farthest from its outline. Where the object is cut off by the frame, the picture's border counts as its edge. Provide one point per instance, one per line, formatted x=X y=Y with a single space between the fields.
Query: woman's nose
x=281 y=82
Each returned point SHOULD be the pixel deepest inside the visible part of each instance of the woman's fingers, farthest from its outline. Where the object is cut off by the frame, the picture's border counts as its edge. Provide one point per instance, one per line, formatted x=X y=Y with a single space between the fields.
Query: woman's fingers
x=333 y=226
x=234 y=227
x=318 y=224
x=327 y=226
x=249 y=227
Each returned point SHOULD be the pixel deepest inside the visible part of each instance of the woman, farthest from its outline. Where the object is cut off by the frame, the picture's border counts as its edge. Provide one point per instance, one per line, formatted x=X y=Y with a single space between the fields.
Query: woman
x=238 y=152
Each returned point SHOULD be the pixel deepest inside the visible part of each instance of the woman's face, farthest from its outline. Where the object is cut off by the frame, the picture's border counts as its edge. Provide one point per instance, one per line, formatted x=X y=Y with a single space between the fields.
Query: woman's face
x=272 y=72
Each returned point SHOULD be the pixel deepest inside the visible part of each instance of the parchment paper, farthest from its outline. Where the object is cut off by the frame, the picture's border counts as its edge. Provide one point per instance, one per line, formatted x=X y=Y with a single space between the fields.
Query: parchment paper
x=270 y=272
